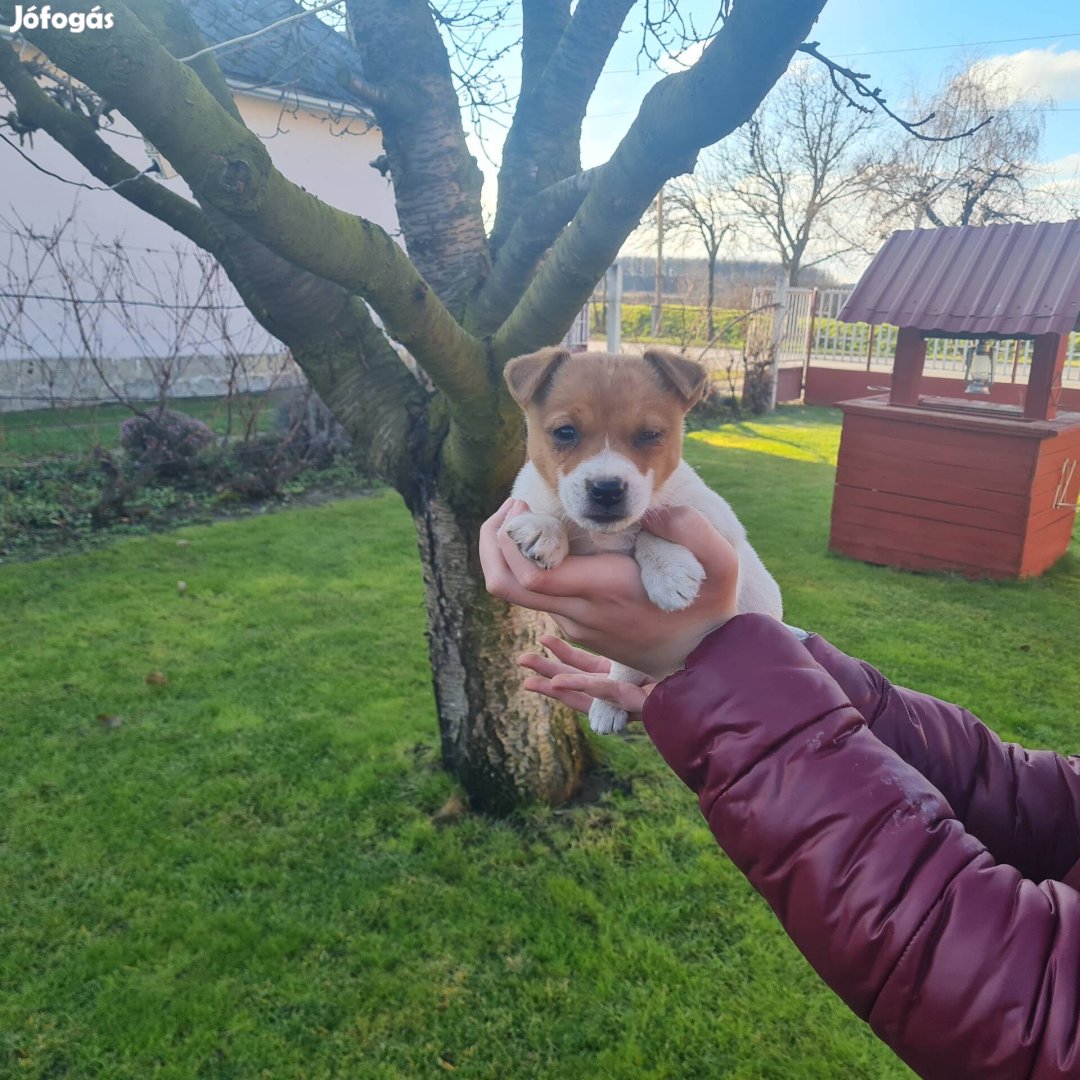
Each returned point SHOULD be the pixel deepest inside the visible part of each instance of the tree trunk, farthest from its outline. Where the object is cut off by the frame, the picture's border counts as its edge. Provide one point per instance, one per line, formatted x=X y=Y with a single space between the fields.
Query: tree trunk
x=504 y=744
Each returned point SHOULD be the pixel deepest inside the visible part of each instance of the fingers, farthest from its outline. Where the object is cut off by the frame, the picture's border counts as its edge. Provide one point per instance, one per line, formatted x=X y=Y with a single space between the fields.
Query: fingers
x=508 y=575
x=577 y=658
x=692 y=530
x=577 y=576
x=490 y=556
x=545 y=666
x=567 y=590
x=573 y=699
x=570 y=661
x=623 y=695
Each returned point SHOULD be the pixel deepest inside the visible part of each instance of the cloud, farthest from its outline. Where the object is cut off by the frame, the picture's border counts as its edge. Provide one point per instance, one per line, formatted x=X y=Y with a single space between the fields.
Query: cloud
x=683 y=60
x=1033 y=75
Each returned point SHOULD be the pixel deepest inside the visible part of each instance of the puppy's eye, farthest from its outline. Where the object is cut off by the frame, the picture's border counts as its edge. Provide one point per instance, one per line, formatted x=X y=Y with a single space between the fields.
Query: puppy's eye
x=565 y=435
x=649 y=437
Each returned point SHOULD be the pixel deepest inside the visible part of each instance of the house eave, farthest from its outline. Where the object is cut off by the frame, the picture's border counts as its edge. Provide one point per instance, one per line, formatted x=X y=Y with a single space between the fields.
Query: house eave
x=324 y=106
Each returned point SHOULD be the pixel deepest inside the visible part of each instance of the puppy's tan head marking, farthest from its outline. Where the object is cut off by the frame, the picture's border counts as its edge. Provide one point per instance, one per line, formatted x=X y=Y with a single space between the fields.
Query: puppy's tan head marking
x=529 y=376
x=605 y=432
x=685 y=378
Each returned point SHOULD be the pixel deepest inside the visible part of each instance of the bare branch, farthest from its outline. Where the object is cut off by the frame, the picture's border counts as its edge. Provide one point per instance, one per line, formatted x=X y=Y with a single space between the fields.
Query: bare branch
x=680 y=115
x=258 y=33
x=857 y=81
x=533 y=233
x=543 y=144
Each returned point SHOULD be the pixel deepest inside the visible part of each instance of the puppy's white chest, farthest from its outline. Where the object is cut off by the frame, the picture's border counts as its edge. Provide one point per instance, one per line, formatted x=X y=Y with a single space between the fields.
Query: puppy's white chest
x=586 y=542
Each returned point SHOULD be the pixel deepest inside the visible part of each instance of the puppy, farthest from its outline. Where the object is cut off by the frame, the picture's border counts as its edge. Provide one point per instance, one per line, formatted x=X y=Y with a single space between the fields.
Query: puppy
x=604 y=446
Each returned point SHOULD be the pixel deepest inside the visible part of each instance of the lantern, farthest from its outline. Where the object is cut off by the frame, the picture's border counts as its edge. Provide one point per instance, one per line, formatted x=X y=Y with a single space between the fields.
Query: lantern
x=979 y=367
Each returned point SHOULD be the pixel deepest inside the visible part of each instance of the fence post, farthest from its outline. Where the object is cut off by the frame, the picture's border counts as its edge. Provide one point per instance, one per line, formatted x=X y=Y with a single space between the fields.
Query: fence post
x=780 y=298
x=614 y=308
x=811 y=325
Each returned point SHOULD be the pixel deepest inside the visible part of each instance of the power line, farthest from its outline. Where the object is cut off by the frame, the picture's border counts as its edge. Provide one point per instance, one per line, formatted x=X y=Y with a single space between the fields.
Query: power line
x=913 y=48
x=962 y=44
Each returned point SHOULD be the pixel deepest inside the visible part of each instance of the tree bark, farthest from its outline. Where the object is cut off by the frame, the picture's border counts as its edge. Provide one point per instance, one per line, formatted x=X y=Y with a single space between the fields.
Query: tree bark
x=502 y=742
x=437 y=182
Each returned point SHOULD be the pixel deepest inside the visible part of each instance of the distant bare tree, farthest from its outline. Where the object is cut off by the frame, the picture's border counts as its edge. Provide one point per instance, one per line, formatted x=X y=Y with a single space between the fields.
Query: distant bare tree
x=796 y=166
x=699 y=206
x=980 y=179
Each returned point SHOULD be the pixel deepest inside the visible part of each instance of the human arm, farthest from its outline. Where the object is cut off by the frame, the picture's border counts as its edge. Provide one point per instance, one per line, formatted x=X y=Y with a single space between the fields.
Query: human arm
x=1024 y=805
x=959 y=963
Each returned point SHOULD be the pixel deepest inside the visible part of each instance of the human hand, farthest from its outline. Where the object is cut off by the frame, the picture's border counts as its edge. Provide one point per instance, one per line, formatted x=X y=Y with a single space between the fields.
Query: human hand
x=575 y=677
x=598 y=600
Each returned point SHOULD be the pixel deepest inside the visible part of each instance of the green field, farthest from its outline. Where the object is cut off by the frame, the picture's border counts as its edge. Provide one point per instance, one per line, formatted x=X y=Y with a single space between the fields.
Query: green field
x=237 y=873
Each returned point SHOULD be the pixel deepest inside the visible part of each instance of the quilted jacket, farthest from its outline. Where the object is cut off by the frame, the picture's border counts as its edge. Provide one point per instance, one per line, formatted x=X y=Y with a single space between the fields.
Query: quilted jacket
x=928 y=871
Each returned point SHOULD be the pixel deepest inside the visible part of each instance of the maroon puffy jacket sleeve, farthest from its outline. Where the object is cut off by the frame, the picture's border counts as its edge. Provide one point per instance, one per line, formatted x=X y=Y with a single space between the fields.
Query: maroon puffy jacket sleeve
x=1024 y=805
x=960 y=963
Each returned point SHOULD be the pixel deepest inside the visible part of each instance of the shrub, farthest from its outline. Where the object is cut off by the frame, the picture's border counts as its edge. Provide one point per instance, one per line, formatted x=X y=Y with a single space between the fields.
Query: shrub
x=168 y=442
x=310 y=429
x=718 y=405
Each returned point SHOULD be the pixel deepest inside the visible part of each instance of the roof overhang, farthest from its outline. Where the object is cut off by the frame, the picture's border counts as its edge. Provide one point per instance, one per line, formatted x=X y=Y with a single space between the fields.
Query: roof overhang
x=289 y=96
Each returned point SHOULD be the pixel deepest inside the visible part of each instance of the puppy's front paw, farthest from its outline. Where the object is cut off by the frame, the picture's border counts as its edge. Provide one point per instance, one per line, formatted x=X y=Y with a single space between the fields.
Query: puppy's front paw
x=539 y=537
x=670 y=575
x=605 y=718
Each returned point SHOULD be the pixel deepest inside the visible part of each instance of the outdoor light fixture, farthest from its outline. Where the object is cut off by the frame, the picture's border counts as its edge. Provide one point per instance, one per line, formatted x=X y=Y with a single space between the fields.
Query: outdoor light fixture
x=979 y=367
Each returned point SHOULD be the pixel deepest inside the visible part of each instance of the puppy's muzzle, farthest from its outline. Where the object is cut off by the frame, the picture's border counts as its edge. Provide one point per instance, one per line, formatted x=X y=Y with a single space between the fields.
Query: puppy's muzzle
x=607 y=498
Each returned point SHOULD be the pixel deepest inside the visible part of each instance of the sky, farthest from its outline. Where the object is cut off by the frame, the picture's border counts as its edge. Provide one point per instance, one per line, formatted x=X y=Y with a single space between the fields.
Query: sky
x=903 y=45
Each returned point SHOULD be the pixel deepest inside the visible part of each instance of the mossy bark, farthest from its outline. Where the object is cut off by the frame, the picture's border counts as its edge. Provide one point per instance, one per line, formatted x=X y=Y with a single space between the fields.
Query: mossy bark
x=503 y=743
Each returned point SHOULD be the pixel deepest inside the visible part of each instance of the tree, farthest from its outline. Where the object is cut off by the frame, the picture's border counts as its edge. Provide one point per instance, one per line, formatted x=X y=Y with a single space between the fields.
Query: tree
x=462 y=302
x=796 y=167
x=699 y=206
x=977 y=180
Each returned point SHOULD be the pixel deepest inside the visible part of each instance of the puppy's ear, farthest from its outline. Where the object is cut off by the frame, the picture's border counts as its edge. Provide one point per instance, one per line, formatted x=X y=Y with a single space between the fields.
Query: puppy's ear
x=683 y=377
x=529 y=376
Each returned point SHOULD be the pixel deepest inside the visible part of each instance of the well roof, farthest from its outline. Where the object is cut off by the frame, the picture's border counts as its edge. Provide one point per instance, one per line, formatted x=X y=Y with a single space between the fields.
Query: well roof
x=1007 y=280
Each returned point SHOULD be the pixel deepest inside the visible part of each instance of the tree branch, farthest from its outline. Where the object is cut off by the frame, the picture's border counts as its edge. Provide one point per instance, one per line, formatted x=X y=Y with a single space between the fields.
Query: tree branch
x=543 y=143
x=207 y=49
x=543 y=23
x=79 y=137
x=171 y=23
x=324 y=327
x=679 y=115
x=437 y=182
x=228 y=168
x=857 y=81
x=530 y=237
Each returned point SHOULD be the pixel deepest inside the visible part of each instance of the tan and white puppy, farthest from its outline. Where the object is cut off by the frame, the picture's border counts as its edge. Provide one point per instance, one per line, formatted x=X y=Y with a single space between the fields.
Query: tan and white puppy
x=604 y=446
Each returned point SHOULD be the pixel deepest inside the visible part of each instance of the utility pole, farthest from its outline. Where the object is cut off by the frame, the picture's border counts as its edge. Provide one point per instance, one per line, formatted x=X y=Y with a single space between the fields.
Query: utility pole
x=658 y=304
x=614 y=308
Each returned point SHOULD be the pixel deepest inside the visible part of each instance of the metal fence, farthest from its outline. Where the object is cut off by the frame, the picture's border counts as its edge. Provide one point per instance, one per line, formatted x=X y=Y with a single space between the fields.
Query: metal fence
x=812 y=321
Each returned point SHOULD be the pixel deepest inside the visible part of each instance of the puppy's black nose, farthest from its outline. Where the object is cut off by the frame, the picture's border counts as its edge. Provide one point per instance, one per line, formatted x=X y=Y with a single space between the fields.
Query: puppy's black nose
x=607 y=492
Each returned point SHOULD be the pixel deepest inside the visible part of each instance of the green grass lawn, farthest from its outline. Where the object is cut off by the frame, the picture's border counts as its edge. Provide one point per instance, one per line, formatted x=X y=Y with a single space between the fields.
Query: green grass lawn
x=238 y=875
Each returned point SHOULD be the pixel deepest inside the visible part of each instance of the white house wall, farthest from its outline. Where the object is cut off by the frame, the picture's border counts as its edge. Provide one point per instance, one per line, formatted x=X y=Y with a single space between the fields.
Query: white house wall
x=43 y=351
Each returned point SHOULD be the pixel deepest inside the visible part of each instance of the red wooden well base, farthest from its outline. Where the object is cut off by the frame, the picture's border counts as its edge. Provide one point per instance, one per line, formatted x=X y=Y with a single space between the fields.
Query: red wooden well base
x=944 y=486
